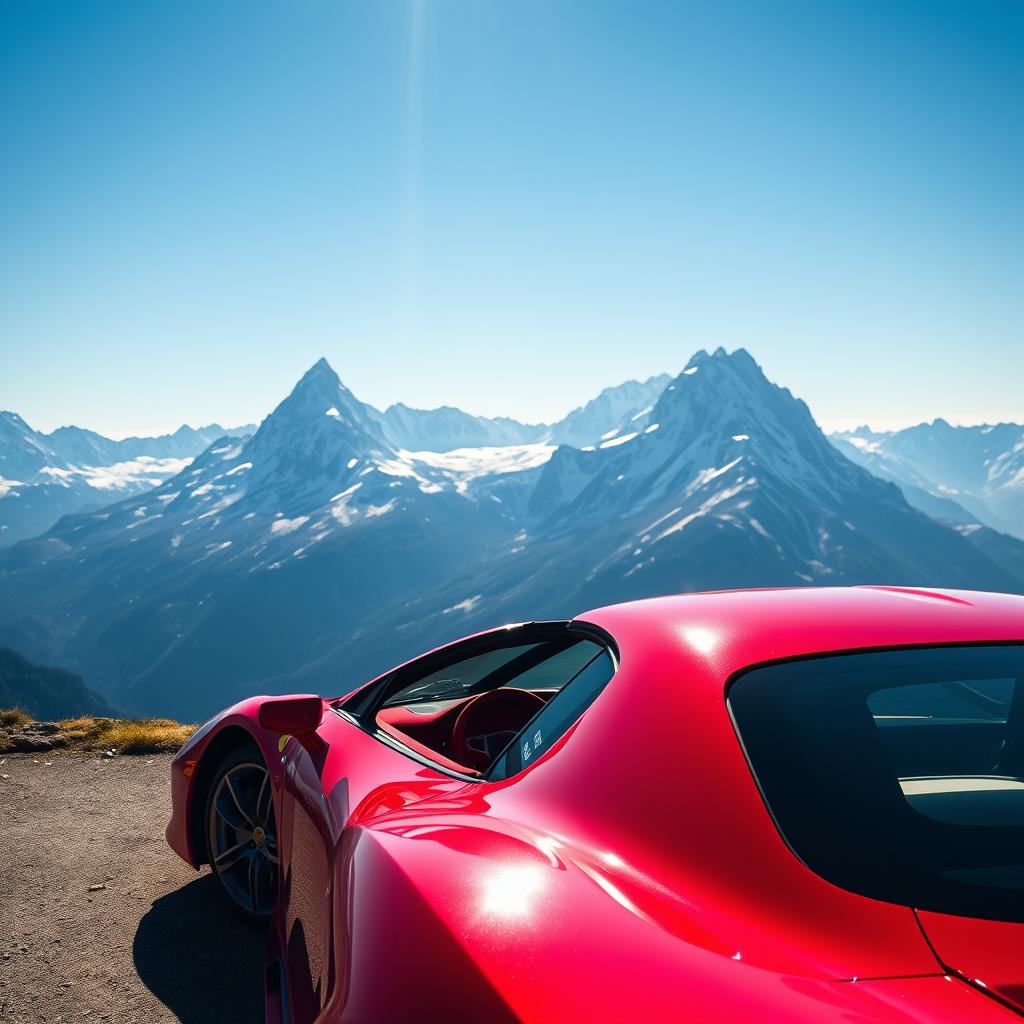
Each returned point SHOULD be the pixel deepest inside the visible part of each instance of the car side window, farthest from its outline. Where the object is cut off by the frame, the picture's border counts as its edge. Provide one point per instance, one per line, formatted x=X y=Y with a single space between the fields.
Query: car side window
x=554 y=720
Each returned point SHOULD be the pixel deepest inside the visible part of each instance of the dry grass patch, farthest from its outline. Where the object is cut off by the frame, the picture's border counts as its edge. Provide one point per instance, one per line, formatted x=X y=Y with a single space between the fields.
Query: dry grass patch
x=13 y=718
x=127 y=736
x=93 y=732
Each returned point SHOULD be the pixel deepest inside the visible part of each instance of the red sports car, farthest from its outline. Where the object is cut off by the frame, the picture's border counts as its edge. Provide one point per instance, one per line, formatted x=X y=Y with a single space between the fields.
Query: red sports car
x=791 y=805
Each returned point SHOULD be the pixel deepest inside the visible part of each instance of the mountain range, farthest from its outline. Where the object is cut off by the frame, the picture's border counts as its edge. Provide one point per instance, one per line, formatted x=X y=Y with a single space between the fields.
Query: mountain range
x=336 y=540
x=446 y=429
x=45 y=476
x=964 y=474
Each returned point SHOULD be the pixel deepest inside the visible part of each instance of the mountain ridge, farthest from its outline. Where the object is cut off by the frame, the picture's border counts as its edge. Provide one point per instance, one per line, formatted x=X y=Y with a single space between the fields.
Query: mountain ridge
x=971 y=474
x=44 y=692
x=72 y=469
x=448 y=428
x=318 y=552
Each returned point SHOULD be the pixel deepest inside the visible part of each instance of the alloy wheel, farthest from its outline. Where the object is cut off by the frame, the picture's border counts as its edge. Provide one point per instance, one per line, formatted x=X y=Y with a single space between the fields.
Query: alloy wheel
x=243 y=838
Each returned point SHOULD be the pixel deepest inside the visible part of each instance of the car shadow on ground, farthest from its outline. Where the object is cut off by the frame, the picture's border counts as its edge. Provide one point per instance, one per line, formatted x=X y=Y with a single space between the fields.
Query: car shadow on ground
x=199 y=959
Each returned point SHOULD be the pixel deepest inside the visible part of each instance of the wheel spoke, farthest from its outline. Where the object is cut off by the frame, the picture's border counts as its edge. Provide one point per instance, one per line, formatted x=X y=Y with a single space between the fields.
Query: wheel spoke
x=262 y=818
x=226 y=858
x=238 y=803
x=228 y=814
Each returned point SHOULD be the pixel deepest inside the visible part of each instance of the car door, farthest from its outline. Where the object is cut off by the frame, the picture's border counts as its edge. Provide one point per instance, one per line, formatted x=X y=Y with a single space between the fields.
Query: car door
x=327 y=777
x=359 y=765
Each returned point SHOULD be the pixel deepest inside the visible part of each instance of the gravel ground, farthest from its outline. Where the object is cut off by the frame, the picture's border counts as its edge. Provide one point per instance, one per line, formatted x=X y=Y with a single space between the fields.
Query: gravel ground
x=99 y=920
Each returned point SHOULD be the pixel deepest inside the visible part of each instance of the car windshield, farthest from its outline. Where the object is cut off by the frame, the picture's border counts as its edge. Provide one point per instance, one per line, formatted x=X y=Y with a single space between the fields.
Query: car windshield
x=457 y=680
x=897 y=774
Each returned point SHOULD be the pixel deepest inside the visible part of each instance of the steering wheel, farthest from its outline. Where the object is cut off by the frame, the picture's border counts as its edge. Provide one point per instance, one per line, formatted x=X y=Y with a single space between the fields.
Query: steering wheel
x=487 y=723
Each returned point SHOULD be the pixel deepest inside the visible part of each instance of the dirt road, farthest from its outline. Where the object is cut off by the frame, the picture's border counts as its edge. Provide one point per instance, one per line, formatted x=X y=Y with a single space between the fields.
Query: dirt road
x=153 y=944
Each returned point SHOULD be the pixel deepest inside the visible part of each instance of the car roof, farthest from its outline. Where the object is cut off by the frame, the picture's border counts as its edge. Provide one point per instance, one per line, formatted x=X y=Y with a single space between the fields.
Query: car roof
x=729 y=630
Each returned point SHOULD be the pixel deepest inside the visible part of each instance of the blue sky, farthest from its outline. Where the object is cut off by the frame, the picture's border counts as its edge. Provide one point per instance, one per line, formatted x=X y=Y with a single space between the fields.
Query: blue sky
x=507 y=206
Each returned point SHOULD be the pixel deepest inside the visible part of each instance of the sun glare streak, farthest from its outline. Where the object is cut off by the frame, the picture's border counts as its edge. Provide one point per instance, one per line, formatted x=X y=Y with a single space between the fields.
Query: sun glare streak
x=410 y=243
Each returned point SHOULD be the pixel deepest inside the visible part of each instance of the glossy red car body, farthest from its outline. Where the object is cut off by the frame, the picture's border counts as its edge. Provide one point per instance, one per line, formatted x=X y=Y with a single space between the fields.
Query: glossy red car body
x=631 y=872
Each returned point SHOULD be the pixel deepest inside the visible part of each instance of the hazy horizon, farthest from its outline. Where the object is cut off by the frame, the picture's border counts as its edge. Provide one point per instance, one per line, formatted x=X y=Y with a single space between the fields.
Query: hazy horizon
x=880 y=426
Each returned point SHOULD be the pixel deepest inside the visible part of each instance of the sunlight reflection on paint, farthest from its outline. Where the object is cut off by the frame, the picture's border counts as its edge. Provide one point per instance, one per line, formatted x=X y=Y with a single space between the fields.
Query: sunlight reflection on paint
x=701 y=638
x=422 y=830
x=548 y=845
x=613 y=860
x=509 y=892
x=615 y=892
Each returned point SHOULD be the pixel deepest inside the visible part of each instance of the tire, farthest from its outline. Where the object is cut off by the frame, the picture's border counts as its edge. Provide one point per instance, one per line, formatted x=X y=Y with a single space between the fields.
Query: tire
x=241 y=835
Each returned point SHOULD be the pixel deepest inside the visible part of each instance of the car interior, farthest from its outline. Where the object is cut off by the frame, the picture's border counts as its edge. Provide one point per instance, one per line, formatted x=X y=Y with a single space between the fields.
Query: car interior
x=464 y=707
x=956 y=747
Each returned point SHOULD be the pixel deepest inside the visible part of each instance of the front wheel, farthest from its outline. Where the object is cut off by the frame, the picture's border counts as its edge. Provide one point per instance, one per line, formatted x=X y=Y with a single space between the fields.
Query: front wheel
x=241 y=832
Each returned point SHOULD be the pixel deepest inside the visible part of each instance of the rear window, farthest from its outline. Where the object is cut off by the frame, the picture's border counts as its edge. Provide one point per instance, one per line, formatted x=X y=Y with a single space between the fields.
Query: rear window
x=897 y=774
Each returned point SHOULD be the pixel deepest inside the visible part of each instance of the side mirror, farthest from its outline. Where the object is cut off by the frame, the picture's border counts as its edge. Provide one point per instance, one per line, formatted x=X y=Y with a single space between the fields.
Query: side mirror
x=293 y=715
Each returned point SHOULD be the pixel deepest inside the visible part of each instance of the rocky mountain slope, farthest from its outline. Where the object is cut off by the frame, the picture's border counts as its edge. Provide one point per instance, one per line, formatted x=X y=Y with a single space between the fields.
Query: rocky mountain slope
x=44 y=692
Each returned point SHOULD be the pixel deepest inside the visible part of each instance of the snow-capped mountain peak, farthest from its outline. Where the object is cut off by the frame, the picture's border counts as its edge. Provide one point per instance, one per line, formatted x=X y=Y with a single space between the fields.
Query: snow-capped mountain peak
x=23 y=451
x=721 y=420
x=306 y=444
x=320 y=393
